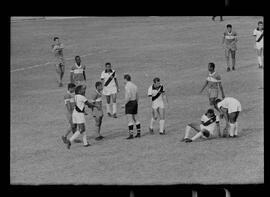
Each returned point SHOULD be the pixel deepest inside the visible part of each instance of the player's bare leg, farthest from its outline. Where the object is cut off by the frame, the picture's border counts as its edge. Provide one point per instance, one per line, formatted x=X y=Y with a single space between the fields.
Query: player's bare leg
x=233 y=132
x=233 y=59
x=98 y=121
x=190 y=126
x=153 y=119
x=227 y=52
x=260 y=57
x=114 y=105
x=161 y=120
x=130 y=126
x=62 y=71
x=108 y=105
x=138 y=125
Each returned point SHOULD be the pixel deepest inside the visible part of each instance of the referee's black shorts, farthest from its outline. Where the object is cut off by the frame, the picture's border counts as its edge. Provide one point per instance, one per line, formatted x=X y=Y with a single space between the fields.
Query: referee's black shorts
x=131 y=107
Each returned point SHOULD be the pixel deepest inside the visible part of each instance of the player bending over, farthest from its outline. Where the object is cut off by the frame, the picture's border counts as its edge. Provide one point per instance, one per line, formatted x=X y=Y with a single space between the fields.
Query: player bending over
x=70 y=103
x=206 y=130
x=258 y=33
x=78 y=115
x=157 y=94
x=230 y=108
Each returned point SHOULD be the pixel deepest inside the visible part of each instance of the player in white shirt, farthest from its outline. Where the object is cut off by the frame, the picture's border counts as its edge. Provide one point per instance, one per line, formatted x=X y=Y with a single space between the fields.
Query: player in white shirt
x=78 y=115
x=57 y=49
x=258 y=33
x=157 y=94
x=230 y=108
x=110 y=88
x=209 y=124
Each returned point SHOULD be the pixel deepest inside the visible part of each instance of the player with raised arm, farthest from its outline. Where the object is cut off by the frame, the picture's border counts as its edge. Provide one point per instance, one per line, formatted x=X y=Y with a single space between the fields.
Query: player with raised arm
x=110 y=89
x=57 y=49
x=230 y=39
x=258 y=34
x=209 y=124
x=157 y=94
x=77 y=72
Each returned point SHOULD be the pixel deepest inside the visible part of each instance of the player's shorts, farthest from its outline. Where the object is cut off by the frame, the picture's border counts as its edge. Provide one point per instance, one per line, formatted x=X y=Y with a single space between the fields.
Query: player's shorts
x=109 y=91
x=234 y=107
x=230 y=48
x=259 y=45
x=131 y=107
x=210 y=129
x=213 y=93
x=77 y=117
x=156 y=105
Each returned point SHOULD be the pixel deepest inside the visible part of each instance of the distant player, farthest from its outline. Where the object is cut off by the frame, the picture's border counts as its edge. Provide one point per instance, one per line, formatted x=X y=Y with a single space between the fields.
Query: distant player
x=110 y=89
x=221 y=18
x=78 y=115
x=230 y=39
x=157 y=93
x=213 y=81
x=97 y=112
x=77 y=72
x=258 y=33
x=70 y=103
x=231 y=108
x=131 y=106
x=209 y=124
x=57 y=49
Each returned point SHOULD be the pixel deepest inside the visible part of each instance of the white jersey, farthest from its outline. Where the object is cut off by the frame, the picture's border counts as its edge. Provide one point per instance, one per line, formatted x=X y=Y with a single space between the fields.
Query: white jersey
x=109 y=85
x=209 y=123
x=230 y=103
x=80 y=102
x=156 y=94
x=258 y=34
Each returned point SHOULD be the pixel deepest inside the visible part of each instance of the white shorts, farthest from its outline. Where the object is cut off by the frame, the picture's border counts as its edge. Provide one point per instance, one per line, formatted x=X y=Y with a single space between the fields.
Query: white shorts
x=156 y=105
x=78 y=118
x=109 y=91
x=234 y=107
x=259 y=45
x=210 y=129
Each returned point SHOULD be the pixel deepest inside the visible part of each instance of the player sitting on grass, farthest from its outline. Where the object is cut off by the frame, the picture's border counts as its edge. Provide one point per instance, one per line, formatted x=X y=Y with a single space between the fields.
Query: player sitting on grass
x=69 y=102
x=78 y=115
x=98 y=112
x=209 y=122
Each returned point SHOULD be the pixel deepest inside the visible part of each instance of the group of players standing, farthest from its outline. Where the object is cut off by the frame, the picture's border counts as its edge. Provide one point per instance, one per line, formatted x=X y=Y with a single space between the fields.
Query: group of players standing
x=75 y=99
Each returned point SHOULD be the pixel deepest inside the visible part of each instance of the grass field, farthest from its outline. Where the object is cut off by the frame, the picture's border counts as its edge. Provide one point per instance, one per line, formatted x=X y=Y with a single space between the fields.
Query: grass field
x=177 y=49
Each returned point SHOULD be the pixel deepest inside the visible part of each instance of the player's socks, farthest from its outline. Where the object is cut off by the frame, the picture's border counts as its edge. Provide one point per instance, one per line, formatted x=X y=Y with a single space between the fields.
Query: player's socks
x=85 y=139
x=151 y=123
x=74 y=136
x=188 y=128
x=236 y=129
x=114 y=108
x=138 y=127
x=108 y=107
x=161 y=126
x=231 y=131
x=198 y=135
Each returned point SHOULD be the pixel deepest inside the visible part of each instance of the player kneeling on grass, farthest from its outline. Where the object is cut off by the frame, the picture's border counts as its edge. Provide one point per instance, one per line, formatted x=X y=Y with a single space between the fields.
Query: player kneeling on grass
x=209 y=122
x=78 y=115
x=230 y=108
x=98 y=112
x=69 y=102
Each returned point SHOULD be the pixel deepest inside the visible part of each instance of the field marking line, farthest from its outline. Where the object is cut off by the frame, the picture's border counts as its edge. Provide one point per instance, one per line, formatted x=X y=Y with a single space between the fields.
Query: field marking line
x=39 y=65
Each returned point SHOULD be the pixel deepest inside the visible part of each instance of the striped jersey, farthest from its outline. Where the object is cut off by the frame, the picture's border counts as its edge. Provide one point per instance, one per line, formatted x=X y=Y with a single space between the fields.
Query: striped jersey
x=258 y=33
x=230 y=37
x=213 y=80
x=58 y=50
x=156 y=93
x=78 y=72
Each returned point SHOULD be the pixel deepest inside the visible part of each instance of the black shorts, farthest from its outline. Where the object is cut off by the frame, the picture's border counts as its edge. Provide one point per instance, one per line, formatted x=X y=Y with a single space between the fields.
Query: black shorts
x=131 y=107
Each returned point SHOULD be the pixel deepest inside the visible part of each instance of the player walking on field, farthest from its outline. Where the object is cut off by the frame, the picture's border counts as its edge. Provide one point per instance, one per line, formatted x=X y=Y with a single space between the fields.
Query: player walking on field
x=70 y=103
x=78 y=115
x=231 y=108
x=97 y=112
x=230 y=39
x=213 y=81
x=258 y=33
x=131 y=106
x=209 y=124
x=57 y=49
x=157 y=93
x=110 y=88
x=77 y=72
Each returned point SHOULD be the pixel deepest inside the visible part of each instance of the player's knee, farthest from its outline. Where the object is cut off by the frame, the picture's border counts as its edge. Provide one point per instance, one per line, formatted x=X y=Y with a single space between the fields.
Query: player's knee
x=206 y=133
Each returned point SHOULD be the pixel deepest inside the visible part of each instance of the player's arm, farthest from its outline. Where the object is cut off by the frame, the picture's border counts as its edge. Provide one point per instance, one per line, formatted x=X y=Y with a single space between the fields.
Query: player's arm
x=90 y=105
x=221 y=90
x=235 y=39
x=68 y=106
x=204 y=86
x=72 y=76
x=165 y=97
x=218 y=129
x=84 y=75
x=223 y=39
x=116 y=83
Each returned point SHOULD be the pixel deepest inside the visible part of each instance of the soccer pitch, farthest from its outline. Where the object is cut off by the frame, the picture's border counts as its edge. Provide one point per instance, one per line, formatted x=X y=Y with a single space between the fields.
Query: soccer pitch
x=176 y=49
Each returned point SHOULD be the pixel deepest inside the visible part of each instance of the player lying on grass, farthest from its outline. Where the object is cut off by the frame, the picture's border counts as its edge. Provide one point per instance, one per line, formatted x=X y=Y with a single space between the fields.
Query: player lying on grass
x=69 y=103
x=78 y=115
x=230 y=108
x=57 y=49
x=97 y=112
x=258 y=33
x=206 y=130
x=157 y=93
x=77 y=72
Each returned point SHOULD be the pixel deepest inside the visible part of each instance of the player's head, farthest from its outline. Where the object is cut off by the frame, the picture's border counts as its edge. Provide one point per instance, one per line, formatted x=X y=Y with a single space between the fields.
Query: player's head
x=229 y=27
x=108 y=66
x=98 y=85
x=260 y=25
x=77 y=60
x=71 y=87
x=127 y=78
x=217 y=101
x=211 y=67
x=210 y=112
x=156 y=81
x=80 y=89
x=56 y=39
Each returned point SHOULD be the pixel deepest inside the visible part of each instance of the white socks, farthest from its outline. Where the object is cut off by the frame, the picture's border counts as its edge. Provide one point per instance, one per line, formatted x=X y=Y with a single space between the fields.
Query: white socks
x=161 y=126
x=188 y=128
x=231 y=131
x=85 y=139
x=236 y=129
x=198 y=135
x=151 y=123
x=108 y=107
x=260 y=60
x=74 y=136
x=114 y=108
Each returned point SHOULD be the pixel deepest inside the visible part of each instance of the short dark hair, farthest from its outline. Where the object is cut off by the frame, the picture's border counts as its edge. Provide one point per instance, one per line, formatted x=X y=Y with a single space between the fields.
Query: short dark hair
x=210 y=111
x=55 y=38
x=156 y=79
x=71 y=85
x=260 y=22
x=79 y=88
x=229 y=25
x=218 y=100
x=211 y=64
x=98 y=83
x=107 y=63
x=77 y=56
x=127 y=77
